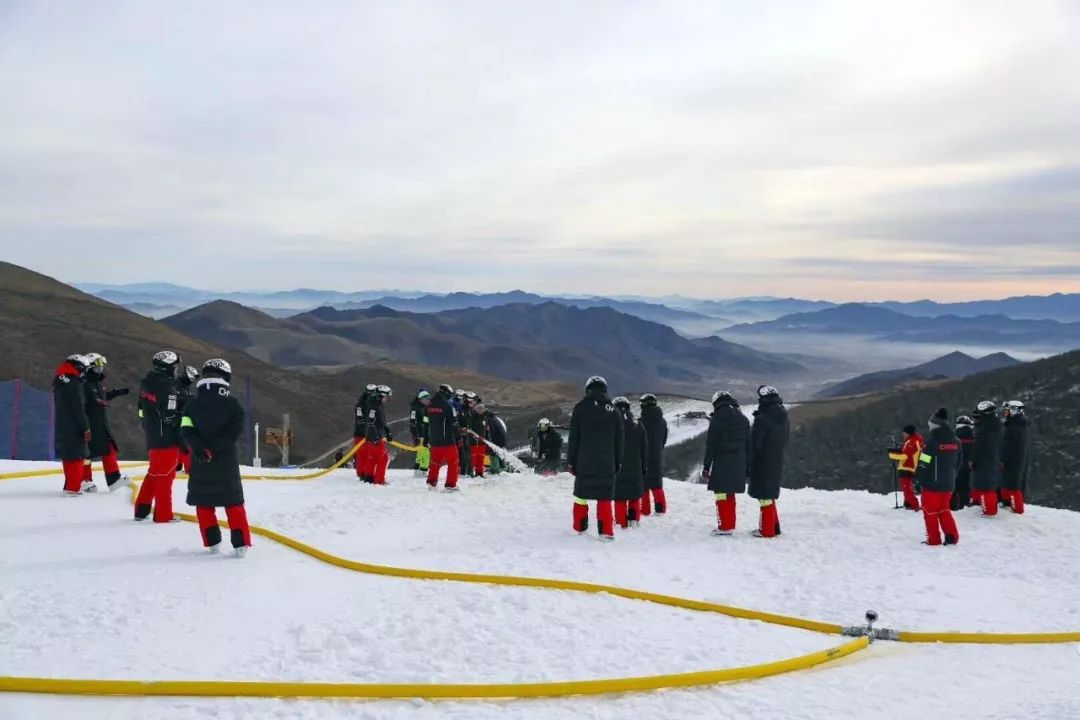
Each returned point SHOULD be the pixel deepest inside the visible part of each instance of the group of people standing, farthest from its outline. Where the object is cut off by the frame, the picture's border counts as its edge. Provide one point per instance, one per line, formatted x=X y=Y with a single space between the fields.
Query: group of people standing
x=450 y=428
x=615 y=458
x=190 y=421
x=982 y=462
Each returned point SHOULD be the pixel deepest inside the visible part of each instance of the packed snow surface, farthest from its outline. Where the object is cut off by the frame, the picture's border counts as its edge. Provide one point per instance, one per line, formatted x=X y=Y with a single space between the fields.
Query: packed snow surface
x=86 y=592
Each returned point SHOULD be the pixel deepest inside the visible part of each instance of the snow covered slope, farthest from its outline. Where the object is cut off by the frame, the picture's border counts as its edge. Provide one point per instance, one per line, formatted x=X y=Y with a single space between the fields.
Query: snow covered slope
x=86 y=592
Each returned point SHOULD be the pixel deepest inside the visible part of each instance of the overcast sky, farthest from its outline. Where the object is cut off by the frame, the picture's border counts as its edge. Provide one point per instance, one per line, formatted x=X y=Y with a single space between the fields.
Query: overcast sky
x=840 y=150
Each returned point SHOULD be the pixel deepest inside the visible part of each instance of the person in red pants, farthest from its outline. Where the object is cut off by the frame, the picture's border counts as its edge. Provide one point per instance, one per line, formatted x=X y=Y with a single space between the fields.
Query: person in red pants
x=594 y=456
x=907 y=464
x=71 y=432
x=768 y=440
x=630 y=481
x=374 y=454
x=443 y=435
x=986 y=457
x=937 y=475
x=102 y=443
x=360 y=411
x=727 y=458
x=185 y=382
x=478 y=432
x=1014 y=455
x=158 y=408
x=212 y=423
x=656 y=435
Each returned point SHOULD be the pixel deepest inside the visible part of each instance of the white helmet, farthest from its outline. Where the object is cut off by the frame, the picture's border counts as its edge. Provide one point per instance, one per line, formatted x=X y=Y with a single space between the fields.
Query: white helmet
x=723 y=395
x=596 y=381
x=985 y=407
x=765 y=391
x=621 y=402
x=217 y=367
x=385 y=391
x=1015 y=407
x=544 y=424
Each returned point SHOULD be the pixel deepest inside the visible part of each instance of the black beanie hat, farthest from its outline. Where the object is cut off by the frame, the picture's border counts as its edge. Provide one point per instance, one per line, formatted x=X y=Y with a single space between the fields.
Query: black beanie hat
x=942 y=414
x=909 y=429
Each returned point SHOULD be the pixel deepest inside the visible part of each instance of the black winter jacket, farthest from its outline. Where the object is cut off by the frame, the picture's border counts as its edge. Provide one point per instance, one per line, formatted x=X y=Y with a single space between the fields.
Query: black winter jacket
x=496 y=429
x=102 y=439
x=727 y=450
x=630 y=482
x=159 y=409
x=656 y=432
x=443 y=428
x=69 y=407
x=595 y=447
x=769 y=438
x=1015 y=450
x=418 y=424
x=213 y=420
x=547 y=446
x=942 y=454
x=986 y=454
x=375 y=429
x=360 y=411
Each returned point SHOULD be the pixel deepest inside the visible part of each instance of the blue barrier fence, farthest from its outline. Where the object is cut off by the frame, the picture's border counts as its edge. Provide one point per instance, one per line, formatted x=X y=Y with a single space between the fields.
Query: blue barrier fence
x=26 y=422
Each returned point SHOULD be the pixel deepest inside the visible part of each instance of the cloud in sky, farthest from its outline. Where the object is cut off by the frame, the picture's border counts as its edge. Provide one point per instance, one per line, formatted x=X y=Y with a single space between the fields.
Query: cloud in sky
x=833 y=149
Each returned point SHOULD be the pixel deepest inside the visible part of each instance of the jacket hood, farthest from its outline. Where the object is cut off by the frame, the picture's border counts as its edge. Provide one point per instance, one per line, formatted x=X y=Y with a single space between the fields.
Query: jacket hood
x=68 y=369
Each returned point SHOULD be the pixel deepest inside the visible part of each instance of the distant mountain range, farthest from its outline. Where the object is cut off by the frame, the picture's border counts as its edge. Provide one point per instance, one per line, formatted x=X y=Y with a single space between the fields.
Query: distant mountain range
x=952 y=366
x=519 y=341
x=887 y=325
x=689 y=316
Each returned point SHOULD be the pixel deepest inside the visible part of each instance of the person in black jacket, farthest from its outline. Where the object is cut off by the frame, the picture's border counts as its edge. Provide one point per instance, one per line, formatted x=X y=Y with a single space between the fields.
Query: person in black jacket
x=594 y=456
x=986 y=456
x=629 y=482
x=212 y=423
x=375 y=455
x=360 y=411
x=444 y=433
x=158 y=408
x=418 y=423
x=461 y=404
x=71 y=431
x=768 y=439
x=964 y=495
x=497 y=435
x=656 y=435
x=477 y=432
x=1014 y=455
x=102 y=442
x=937 y=476
x=547 y=448
x=185 y=382
x=727 y=458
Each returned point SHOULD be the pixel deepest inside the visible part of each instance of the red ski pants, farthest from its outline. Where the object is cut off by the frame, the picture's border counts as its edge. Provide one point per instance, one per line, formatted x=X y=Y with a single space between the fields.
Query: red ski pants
x=109 y=465
x=374 y=457
x=658 y=498
x=1015 y=498
x=725 y=511
x=211 y=531
x=156 y=488
x=907 y=485
x=443 y=455
x=477 y=454
x=769 y=523
x=627 y=511
x=939 y=518
x=989 y=501
x=605 y=524
x=185 y=460
x=75 y=471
